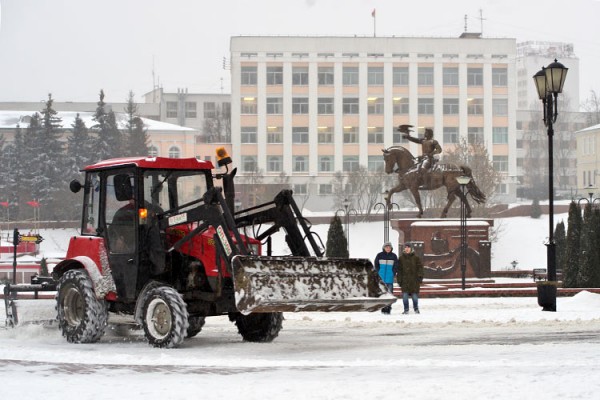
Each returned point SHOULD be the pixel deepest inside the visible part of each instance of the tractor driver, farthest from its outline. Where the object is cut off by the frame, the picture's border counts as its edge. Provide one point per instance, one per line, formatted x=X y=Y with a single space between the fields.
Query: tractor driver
x=122 y=227
x=429 y=146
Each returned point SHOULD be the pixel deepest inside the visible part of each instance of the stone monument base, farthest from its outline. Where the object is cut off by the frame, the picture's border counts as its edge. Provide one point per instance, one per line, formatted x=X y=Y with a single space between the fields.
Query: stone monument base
x=437 y=241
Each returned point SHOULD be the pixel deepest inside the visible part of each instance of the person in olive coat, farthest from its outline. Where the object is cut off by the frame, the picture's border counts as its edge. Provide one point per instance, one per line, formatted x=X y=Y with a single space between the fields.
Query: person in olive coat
x=410 y=276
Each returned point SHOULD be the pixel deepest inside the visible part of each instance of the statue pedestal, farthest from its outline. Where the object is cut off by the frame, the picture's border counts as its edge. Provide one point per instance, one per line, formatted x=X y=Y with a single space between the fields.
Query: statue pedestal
x=437 y=241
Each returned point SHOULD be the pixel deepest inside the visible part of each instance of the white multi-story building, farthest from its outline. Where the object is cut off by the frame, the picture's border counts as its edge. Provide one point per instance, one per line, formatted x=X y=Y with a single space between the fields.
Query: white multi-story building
x=310 y=106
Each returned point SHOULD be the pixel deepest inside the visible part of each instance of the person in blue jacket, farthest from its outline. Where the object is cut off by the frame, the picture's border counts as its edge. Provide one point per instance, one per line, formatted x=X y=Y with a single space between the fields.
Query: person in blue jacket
x=386 y=264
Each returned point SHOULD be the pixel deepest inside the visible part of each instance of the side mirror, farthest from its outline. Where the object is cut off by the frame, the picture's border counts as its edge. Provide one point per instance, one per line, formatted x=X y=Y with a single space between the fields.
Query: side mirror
x=75 y=186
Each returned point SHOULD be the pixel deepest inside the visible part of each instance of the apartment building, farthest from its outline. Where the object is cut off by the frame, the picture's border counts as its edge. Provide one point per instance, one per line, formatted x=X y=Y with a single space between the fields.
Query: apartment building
x=588 y=156
x=308 y=107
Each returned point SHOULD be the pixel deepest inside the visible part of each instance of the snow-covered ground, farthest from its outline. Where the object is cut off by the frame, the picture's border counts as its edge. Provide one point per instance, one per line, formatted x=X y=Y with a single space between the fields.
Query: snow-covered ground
x=492 y=348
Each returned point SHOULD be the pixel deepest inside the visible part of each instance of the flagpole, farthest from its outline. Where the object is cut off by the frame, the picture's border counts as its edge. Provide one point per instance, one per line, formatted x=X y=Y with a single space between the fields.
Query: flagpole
x=374 y=15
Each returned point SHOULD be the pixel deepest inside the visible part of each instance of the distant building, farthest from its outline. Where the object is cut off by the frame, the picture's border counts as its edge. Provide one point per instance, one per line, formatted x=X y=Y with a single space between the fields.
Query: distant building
x=588 y=156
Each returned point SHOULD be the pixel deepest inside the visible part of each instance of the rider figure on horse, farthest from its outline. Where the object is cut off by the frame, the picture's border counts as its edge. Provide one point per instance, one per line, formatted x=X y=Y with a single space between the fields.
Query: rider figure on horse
x=429 y=147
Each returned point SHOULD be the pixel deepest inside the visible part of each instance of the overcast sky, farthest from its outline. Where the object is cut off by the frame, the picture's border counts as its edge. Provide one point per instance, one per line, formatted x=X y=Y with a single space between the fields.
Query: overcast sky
x=74 y=48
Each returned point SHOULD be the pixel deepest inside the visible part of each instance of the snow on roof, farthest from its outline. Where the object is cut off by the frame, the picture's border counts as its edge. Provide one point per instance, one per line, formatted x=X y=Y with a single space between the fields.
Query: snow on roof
x=9 y=119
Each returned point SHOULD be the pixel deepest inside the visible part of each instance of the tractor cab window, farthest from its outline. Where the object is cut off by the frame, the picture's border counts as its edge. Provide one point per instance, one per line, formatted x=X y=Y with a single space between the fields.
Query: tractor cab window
x=121 y=212
x=92 y=205
x=171 y=189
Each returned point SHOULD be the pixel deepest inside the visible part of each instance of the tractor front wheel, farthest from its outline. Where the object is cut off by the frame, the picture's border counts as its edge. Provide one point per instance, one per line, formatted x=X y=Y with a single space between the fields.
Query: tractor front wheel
x=82 y=318
x=165 y=317
x=258 y=327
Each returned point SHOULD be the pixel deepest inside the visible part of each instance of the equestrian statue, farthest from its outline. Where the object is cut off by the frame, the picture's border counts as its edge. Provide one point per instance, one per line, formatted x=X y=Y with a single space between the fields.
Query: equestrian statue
x=425 y=173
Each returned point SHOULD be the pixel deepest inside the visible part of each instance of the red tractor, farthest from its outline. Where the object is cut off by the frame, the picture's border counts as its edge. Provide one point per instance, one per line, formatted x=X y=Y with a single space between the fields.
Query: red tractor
x=161 y=246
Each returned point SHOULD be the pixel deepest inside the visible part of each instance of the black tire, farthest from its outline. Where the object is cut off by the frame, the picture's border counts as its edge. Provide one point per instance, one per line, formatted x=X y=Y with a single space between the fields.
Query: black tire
x=259 y=327
x=196 y=324
x=82 y=318
x=164 y=317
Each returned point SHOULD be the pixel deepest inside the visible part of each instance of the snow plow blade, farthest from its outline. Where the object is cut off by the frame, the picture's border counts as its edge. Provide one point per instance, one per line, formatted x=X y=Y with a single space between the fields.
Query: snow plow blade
x=29 y=308
x=289 y=284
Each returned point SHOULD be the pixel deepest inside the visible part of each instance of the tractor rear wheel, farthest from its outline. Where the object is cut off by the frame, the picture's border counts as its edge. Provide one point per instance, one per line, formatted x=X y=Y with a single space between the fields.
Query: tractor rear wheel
x=258 y=327
x=196 y=324
x=82 y=318
x=164 y=317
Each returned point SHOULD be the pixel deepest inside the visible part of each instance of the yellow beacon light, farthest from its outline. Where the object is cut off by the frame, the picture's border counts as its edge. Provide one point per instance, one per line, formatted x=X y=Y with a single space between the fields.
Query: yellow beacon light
x=222 y=157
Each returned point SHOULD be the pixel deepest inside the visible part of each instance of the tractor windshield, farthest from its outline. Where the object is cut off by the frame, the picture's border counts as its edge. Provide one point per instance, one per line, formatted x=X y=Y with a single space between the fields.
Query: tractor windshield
x=168 y=189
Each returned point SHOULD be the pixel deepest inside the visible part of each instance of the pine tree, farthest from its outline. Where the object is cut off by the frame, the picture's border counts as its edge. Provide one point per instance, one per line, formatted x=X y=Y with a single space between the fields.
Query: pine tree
x=560 y=239
x=589 y=252
x=13 y=165
x=107 y=136
x=337 y=244
x=79 y=150
x=571 y=264
x=137 y=137
x=595 y=281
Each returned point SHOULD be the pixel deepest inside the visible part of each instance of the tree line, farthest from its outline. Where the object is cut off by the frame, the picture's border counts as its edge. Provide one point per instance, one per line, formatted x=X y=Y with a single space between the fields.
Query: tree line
x=44 y=156
x=578 y=247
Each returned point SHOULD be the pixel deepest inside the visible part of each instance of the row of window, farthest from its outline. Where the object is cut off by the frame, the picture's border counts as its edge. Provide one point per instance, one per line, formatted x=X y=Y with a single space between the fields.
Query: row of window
x=326 y=164
x=325 y=135
x=210 y=109
x=375 y=76
x=375 y=106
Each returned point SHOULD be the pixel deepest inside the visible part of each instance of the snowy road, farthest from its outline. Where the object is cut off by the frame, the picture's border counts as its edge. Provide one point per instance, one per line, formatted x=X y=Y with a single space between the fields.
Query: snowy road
x=456 y=349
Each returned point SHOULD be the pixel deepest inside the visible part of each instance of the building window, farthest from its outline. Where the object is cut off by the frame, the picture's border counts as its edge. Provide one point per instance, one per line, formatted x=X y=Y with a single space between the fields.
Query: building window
x=350 y=164
x=425 y=106
x=300 y=105
x=500 y=107
x=350 y=105
x=400 y=105
x=153 y=151
x=450 y=76
x=425 y=76
x=475 y=106
x=375 y=164
x=325 y=75
x=174 y=152
x=274 y=163
x=300 y=134
x=274 y=105
x=249 y=164
x=398 y=138
x=248 y=105
x=375 y=76
x=325 y=105
x=300 y=188
x=450 y=134
x=274 y=75
x=190 y=109
x=325 y=163
x=274 y=134
x=501 y=188
x=375 y=105
x=248 y=134
x=350 y=76
x=450 y=106
x=499 y=77
x=248 y=75
x=400 y=76
x=474 y=76
x=350 y=134
x=300 y=76
x=500 y=163
x=500 y=135
x=375 y=135
x=325 y=134
x=325 y=189
x=300 y=164
x=475 y=135
x=171 y=109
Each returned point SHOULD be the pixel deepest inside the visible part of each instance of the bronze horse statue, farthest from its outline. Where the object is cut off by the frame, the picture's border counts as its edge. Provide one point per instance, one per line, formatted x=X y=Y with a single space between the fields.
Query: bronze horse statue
x=413 y=179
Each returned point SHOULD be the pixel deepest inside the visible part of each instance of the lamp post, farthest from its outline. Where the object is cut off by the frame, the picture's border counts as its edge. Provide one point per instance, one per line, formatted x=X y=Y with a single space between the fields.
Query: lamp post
x=463 y=181
x=591 y=189
x=549 y=82
x=347 y=210
x=387 y=207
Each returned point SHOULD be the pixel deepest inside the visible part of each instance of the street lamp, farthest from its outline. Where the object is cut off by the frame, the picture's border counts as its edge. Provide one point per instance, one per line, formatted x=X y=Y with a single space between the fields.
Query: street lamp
x=591 y=189
x=463 y=181
x=549 y=82
x=347 y=210
x=387 y=207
